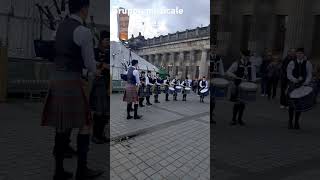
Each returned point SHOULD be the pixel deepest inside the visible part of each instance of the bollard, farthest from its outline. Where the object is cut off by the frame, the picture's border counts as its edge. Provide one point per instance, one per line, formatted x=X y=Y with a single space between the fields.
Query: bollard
x=3 y=73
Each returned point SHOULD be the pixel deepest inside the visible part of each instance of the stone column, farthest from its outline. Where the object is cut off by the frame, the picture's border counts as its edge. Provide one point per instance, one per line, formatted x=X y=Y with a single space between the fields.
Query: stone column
x=192 y=66
x=224 y=28
x=181 y=64
x=171 y=63
x=3 y=73
x=296 y=23
x=203 y=63
x=156 y=60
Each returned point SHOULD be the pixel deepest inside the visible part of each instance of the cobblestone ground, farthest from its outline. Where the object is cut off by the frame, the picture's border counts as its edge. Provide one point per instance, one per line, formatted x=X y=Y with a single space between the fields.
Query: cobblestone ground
x=26 y=147
x=265 y=148
x=172 y=141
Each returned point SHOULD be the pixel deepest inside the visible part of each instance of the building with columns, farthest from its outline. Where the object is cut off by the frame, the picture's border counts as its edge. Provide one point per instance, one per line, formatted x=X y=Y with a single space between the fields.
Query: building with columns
x=259 y=24
x=182 y=53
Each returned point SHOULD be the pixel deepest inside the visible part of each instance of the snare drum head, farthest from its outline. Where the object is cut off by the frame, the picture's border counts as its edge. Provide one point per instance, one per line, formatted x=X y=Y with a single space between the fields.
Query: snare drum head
x=178 y=87
x=203 y=90
x=220 y=82
x=301 y=92
x=188 y=89
x=248 y=86
x=171 y=88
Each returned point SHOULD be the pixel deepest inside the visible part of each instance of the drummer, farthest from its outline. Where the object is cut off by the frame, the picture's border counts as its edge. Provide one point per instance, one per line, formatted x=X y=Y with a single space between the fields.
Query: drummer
x=157 y=89
x=203 y=85
x=217 y=71
x=240 y=70
x=299 y=73
x=174 y=83
x=166 y=87
x=185 y=84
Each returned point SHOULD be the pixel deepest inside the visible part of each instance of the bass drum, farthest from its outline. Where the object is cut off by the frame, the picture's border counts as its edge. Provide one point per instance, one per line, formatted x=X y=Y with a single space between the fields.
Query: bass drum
x=205 y=92
x=302 y=99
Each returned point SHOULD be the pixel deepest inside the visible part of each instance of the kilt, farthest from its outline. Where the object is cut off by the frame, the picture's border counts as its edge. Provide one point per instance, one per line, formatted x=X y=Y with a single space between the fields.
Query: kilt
x=157 y=90
x=66 y=105
x=148 y=91
x=131 y=93
x=166 y=89
x=99 y=97
x=141 y=91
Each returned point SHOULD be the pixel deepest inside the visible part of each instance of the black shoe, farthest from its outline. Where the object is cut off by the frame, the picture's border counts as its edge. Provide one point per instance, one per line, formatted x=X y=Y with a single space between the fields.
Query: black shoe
x=129 y=117
x=97 y=140
x=149 y=104
x=233 y=123
x=137 y=117
x=242 y=123
x=141 y=105
x=87 y=173
x=290 y=126
x=63 y=176
x=297 y=126
x=157 y=102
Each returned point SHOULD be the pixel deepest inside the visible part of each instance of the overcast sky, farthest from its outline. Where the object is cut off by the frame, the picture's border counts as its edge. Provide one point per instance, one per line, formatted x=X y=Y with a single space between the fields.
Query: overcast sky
x=195 y=13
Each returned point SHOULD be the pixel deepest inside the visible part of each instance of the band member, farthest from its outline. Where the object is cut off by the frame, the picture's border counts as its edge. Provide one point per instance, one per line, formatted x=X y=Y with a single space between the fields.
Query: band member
x=166 y=87
x=142 y=88
x=284 y=78
x=240 y=70
x=185 y=84
x=203 y=85
x=299 y=73
x=174 y=83
x=131 y=91
x=216 y=63
x=149 y=85
x=99 y=96
x=66 y=105
x=157 y=88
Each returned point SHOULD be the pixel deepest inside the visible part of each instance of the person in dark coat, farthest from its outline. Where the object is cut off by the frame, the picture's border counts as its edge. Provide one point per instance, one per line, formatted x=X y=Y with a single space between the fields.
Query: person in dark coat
x=264 y=72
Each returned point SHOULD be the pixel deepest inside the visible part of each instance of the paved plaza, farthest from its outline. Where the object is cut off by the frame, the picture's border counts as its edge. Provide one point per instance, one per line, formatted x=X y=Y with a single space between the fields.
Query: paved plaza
x=265 y=148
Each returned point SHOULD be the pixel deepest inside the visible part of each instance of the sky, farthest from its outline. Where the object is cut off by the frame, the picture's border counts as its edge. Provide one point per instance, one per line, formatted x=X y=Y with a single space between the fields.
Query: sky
x=195 y=14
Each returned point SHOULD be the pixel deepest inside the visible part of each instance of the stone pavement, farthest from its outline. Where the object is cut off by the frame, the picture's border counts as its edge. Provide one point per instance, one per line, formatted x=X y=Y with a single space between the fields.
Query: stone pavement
x=26 y=147
x=265 y=148
x=171 y=141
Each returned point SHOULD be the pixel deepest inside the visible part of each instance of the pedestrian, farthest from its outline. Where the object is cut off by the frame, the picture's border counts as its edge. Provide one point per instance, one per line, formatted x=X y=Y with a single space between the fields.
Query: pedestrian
x=264 y=72
x=273 y=75
x=240 y=70
x=66 y=105
x=131 y=91
x=299 y=72
x=291 y=55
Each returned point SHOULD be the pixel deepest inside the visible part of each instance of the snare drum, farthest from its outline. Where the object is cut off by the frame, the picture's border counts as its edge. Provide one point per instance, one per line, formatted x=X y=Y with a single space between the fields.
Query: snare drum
x=178 y=89
x=187 y=90
x=220 y=87
x=301 y=99
x=205 y=92
x=248 y=92
x=171 y=90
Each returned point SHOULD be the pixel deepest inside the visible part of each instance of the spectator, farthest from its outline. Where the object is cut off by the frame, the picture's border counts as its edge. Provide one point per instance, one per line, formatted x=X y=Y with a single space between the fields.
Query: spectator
x=273 y=75
x=264 y=72
x=256 y=60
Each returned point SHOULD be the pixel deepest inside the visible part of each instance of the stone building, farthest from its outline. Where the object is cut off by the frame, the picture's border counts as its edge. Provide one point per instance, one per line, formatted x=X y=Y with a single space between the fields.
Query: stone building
x=182 y=53
x=260 y=24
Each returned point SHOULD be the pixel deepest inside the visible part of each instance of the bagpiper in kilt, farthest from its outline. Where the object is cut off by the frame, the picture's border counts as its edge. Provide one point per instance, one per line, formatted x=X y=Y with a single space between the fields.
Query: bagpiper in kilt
x=299 y=73
x=166 y=87
x=142 y=88
x=66 y=105
x=157 y=88
x=241 y=69
x=131 y=91
x=149 y=84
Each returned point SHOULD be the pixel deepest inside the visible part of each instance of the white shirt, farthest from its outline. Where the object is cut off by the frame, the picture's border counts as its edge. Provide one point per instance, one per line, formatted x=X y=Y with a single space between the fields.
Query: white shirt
x=206 y=86
x=136 y=75
x=233 y=68
x=221 y=67
x=291 y=67
x=82 y=37
x=148 y=81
